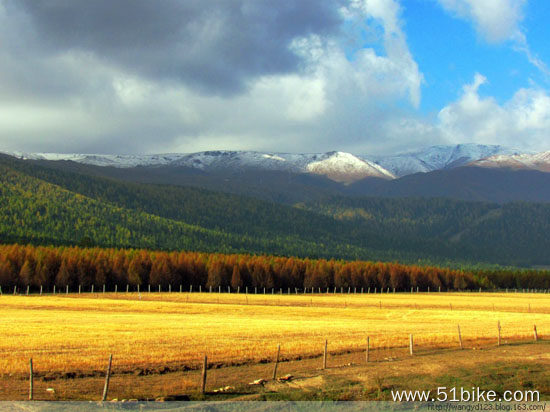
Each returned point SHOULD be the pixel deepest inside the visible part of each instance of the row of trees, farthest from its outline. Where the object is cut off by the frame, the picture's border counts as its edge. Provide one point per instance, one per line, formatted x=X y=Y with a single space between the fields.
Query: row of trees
x=72 y=266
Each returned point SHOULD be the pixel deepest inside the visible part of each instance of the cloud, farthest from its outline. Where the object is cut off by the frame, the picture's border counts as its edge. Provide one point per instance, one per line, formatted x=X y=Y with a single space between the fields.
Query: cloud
x=139 y=76
x=523 y=122
x=521 y=45
x=216 y=47
x=495 y=20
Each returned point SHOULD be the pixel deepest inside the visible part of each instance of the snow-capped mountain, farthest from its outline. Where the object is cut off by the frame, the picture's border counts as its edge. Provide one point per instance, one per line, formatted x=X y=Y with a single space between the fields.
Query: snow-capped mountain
x=437 y=158
x=536 y=161
x=347 y=168
x=338 y=166
x=121 y=161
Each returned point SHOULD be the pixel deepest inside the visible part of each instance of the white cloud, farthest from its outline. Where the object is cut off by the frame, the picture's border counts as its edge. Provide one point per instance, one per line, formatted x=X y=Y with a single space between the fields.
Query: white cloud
x=523 y=122
x=520 y=44
x=495 y=20
x=398 y=56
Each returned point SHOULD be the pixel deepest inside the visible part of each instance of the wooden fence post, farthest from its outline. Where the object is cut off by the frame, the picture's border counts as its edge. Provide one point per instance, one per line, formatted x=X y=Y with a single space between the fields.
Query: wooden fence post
x=460 y=338
x=411 y=344
x=368 y=349
x=28 y=289
x=498 y=327
x=204 y=369
x=31 y=381
x=107 y=378
x=325 y=355
x=536 y=336
x=276 y=362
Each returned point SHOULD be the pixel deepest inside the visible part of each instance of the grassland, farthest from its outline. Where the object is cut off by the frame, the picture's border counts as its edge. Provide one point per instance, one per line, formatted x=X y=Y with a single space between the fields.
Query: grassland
x=72 y=335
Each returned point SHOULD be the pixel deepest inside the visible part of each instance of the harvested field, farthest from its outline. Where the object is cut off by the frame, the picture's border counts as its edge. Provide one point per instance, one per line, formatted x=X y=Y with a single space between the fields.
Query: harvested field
x=71 y=336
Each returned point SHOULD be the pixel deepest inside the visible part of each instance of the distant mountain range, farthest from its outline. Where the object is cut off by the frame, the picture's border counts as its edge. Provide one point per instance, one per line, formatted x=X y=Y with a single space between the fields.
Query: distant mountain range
x=439 y=158
x=337 y=166
x=68 y=203
x=468 y=172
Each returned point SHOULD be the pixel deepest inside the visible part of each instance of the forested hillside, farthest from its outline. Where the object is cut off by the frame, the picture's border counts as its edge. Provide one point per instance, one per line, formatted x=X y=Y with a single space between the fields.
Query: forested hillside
x=44 y=205
x=39 y=212
x=512 y=233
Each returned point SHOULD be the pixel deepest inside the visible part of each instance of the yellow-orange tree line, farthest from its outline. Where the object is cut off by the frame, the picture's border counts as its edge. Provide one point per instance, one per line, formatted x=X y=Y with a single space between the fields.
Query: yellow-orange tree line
x=36 y=266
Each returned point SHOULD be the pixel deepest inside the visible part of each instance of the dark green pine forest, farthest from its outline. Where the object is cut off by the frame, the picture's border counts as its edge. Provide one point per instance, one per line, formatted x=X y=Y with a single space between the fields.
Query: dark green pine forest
x=45 y=205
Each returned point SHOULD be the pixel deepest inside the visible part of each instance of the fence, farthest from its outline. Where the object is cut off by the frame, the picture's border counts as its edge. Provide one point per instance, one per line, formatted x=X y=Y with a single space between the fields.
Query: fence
x=324 y=365
x=246 y=290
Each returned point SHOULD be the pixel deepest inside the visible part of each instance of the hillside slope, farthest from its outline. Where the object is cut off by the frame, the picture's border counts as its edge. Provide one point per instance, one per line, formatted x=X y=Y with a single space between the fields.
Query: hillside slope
x=469 y=183
x=49 y=205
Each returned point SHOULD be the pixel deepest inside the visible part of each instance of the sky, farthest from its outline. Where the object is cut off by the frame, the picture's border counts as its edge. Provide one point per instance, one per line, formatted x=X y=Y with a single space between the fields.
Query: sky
x=363 y=76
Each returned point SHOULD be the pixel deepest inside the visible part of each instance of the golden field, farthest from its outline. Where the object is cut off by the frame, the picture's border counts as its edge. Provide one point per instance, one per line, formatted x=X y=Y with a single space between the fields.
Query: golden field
x=78 y=332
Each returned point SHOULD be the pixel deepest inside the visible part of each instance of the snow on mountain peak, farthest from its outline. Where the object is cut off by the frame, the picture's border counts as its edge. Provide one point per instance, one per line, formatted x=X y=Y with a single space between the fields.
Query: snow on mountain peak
x=339 y=166
x=531 y=161
x=346 y=168
x=438 y=157
x=274 y=157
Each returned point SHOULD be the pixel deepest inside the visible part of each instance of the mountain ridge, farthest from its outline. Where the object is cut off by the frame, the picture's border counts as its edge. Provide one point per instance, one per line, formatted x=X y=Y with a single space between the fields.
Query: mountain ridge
x=338 y=166
x=49 y=205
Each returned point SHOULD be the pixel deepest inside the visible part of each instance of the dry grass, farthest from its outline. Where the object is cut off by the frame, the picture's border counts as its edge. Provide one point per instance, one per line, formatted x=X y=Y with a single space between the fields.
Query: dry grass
x=77 y=332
